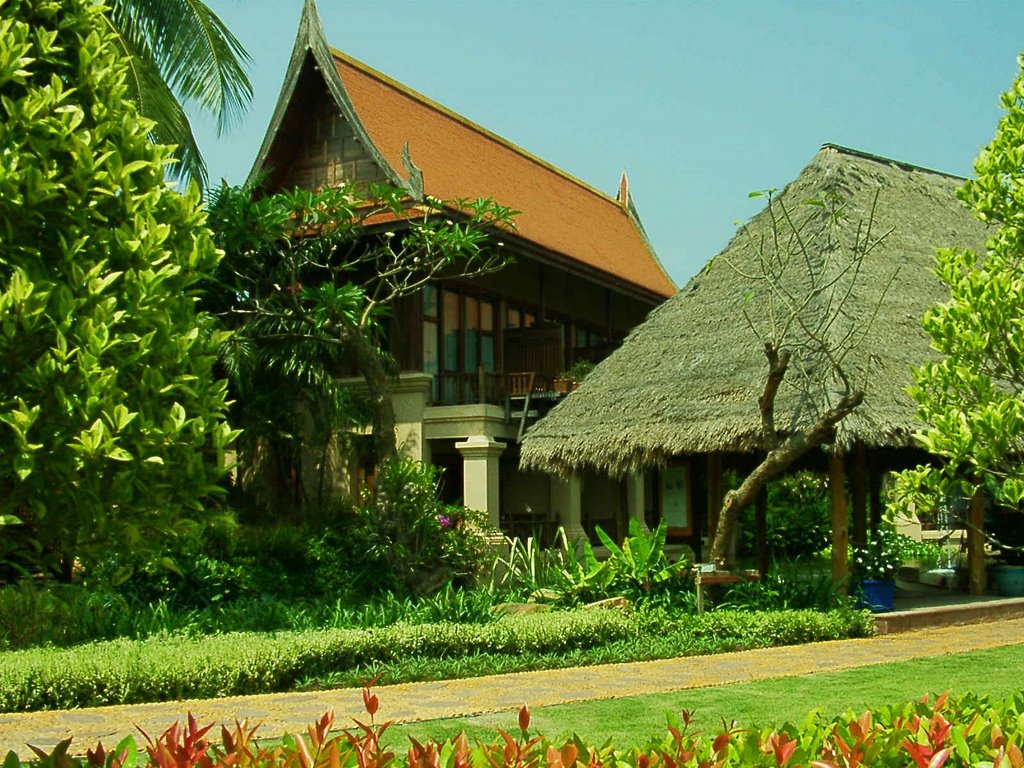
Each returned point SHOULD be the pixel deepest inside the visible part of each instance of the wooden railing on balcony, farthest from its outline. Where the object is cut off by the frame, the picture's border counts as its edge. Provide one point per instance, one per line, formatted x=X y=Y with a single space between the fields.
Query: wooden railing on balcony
x=486 y=387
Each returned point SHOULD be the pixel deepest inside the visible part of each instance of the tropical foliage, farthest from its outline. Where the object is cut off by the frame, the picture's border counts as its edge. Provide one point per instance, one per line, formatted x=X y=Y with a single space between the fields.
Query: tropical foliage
x=798 y=523
x=112 y=430
x=972 y=399
x=308 y=287
x=415 y=542
x=178 y=52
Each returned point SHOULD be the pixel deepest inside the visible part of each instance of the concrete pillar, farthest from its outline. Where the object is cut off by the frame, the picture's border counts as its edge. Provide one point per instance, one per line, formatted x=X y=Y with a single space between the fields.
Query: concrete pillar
x=481 y=478
x=409 y=397
x=840 y=518
x=635 y=498
x=566 y=495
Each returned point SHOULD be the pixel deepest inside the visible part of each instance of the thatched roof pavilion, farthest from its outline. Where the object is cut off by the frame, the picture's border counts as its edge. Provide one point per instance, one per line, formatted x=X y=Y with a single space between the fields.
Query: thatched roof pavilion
x=686 y=381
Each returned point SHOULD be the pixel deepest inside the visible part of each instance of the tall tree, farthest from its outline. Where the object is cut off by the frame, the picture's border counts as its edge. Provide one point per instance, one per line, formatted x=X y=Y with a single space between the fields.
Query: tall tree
x=180 y=51
x=972 y=399
x=112 y=428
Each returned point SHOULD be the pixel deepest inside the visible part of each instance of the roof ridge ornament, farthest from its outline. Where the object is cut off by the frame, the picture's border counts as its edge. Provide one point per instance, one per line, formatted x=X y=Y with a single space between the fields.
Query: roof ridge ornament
x=623 y=196
x=414 y=184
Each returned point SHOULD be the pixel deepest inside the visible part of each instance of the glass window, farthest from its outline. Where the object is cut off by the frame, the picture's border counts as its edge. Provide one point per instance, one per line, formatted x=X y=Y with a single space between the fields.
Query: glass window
x=486 y=316
x=450 y=325
x=430 y=353
x=513 y=318
x=429 y=301
x=472 y=326
x=487 y=353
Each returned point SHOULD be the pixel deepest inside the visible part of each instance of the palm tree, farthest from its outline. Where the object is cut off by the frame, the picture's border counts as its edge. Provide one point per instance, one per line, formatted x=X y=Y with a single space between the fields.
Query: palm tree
x=180 y=51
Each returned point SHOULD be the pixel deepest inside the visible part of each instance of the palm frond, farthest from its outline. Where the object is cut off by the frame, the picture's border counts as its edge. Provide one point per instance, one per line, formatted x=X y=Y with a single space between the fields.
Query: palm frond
x=198 y=56
x=180 y=48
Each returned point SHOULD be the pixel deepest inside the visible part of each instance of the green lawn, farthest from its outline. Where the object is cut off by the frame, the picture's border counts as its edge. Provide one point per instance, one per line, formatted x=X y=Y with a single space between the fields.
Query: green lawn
x=632 y=721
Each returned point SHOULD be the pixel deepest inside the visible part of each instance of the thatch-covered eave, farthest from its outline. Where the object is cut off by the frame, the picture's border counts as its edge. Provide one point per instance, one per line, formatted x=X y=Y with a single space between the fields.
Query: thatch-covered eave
x=687 y=381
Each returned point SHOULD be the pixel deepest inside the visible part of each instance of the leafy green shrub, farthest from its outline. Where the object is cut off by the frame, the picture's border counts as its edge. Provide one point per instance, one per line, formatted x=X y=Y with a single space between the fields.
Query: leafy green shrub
x=114 y=431
x=168 y=667
x=176 y=666
x=32 y=614
x=523 y=569
x=416 y=542
x=639 y=568
x=798 y=518
x=788 y=586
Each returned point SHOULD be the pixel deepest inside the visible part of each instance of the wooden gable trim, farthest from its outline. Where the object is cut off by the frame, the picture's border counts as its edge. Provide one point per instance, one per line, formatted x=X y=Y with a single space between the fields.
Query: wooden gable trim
x=311 y=41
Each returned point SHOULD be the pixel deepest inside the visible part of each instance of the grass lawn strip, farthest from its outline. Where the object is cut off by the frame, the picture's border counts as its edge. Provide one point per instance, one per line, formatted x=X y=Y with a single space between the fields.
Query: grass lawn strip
x=632 y=721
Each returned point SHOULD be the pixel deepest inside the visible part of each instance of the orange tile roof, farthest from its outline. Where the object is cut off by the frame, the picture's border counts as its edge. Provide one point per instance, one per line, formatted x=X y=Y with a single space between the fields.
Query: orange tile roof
x=459 y=159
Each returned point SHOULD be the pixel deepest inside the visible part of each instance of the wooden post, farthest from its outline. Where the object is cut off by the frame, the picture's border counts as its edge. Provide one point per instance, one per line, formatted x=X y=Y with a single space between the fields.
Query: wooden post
x=976 y=543
x=761 y=512
x=859 y=494
x=875 y=491
x=715 y=494
x=839 y=515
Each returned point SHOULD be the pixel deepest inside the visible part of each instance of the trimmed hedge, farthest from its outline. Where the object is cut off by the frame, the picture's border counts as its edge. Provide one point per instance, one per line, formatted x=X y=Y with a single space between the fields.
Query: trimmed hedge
x=172 y=667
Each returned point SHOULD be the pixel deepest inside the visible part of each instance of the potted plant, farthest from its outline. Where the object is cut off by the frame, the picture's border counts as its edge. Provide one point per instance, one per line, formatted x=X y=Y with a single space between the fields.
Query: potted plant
x=873 y=568
x=570 y=378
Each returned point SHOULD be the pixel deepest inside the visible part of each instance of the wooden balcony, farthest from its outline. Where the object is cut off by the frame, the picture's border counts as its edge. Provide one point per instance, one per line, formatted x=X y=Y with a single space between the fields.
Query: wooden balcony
x=486 y=387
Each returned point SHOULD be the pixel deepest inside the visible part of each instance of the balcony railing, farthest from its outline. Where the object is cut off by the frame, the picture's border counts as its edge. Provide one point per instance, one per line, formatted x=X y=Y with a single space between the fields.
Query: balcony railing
x=486 y=387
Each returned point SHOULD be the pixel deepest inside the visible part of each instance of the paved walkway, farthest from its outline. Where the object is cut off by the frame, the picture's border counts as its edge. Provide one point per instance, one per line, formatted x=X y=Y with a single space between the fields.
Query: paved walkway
x=292 y=712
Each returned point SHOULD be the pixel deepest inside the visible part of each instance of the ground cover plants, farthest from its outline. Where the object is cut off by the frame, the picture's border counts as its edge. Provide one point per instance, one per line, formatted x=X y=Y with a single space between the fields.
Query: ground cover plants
x=927 y=733
x=166 y=667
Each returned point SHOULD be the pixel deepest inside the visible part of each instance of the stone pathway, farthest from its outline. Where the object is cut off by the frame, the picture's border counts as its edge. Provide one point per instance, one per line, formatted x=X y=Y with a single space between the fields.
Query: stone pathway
x=291 y=712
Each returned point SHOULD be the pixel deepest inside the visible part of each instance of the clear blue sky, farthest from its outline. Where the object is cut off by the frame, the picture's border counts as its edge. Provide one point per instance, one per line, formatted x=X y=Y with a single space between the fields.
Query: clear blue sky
x=700 y=102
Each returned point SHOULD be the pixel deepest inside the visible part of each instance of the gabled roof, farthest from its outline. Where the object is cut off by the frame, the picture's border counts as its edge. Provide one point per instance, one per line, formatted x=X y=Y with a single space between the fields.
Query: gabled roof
x=429 y=149
x=687 y=380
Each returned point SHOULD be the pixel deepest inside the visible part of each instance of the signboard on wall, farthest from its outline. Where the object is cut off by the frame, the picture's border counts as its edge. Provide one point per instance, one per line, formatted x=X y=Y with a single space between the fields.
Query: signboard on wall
x=675 y=499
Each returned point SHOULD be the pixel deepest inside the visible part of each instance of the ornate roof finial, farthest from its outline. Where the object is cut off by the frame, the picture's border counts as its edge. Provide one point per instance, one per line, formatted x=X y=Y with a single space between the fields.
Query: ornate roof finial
x=623 y=196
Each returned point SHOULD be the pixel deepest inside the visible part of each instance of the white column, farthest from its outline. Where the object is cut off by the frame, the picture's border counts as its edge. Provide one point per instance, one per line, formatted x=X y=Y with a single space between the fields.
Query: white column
x=566 y=495
x=635 y=498
x=480 y=475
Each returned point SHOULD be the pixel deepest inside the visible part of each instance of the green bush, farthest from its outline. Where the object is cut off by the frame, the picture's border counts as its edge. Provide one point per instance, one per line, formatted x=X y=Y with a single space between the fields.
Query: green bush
x=798 y=518
x=114 y=432
x=788 y=586
x=416 y=542
x=173 y=666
